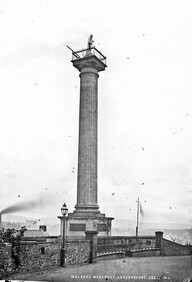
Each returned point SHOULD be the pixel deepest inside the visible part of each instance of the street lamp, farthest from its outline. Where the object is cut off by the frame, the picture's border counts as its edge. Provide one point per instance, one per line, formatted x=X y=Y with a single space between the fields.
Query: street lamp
x=64 y=211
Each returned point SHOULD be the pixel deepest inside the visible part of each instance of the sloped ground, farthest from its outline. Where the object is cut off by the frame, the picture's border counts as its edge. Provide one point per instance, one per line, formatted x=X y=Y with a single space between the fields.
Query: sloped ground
x=129 y=269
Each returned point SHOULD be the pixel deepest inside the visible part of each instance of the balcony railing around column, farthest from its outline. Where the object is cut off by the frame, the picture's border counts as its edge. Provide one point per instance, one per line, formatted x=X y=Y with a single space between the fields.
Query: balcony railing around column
x=76 y=55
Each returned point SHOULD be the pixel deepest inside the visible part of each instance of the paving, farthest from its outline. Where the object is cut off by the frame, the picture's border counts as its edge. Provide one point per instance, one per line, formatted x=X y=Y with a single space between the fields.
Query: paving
x=170 y=269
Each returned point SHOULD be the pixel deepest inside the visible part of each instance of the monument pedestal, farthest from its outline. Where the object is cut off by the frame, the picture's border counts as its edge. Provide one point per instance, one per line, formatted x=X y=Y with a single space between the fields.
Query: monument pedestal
x=79 y=223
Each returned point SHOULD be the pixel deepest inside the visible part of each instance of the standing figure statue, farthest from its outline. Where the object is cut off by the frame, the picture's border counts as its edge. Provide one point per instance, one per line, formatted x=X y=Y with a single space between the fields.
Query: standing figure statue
x=90 y=42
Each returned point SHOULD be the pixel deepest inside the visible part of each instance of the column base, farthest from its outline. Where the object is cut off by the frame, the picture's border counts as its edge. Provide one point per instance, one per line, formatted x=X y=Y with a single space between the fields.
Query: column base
x=84 y=210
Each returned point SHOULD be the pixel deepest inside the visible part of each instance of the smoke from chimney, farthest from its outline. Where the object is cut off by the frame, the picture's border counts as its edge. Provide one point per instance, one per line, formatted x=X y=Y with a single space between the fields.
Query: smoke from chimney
x=20 y=207
x=41 y=202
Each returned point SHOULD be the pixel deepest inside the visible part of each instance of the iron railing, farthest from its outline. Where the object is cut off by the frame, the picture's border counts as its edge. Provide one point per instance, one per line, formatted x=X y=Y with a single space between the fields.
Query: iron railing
x=76 y=55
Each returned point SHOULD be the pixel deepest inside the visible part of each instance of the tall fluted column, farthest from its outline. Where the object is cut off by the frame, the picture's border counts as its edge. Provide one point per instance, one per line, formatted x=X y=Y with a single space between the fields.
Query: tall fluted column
x=87 y=153
x=86 y=218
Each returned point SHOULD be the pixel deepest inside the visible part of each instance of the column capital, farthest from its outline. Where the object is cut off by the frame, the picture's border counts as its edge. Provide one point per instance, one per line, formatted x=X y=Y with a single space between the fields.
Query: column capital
x=89 y=70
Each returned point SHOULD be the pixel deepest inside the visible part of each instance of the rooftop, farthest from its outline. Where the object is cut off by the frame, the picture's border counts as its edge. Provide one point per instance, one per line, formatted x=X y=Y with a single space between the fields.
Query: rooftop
x=35 y=233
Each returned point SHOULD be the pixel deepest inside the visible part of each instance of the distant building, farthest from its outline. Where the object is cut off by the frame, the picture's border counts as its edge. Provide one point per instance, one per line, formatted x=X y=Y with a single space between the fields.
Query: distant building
x=36 y=235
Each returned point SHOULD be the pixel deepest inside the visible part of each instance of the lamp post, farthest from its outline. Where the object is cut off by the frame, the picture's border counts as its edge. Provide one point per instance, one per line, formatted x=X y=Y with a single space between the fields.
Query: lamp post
x=64 y=211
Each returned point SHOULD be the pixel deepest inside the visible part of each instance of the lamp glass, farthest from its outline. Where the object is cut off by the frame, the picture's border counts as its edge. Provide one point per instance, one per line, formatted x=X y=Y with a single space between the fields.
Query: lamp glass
x=64 y=209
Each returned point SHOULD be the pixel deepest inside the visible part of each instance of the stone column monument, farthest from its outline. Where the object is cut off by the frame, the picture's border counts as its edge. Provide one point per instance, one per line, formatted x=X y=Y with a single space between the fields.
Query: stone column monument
x=86 y=216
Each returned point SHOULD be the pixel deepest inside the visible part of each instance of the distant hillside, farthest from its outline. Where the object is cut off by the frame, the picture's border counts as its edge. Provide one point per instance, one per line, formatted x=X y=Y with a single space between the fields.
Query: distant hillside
x=16 y=222
x=15 y=218
x=130 y=225
x=180 y=233
x=18 y=218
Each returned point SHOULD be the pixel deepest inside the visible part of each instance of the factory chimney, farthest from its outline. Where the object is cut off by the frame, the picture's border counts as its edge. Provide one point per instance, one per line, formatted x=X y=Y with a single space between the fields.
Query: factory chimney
x=0 y=221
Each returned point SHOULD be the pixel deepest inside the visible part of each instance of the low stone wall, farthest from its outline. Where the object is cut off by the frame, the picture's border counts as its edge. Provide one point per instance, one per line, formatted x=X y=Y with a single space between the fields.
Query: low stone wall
x=6 y=263
x=170 y=248
x=112 y=248
x=142 y=245
x=131 y=242
x=35 y=256
x=77 y=252
x=124 y=243
x=45 y=255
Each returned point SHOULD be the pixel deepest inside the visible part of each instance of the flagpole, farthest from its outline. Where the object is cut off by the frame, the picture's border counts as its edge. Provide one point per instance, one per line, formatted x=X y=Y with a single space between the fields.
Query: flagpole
x=137 y=227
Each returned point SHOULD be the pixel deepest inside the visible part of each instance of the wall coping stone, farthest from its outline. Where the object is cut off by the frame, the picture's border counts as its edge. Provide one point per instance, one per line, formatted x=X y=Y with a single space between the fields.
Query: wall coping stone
x=76 y=241
x=127 y=237
x=174 y=243
x=50 y=243
x=144 y=250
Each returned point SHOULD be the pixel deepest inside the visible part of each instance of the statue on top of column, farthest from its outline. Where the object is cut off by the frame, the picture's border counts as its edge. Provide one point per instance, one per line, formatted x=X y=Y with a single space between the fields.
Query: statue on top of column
x=90 y=42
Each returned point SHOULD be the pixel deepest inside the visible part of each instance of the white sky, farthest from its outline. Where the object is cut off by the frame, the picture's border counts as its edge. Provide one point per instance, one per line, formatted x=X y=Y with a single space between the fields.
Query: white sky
x=145 y=109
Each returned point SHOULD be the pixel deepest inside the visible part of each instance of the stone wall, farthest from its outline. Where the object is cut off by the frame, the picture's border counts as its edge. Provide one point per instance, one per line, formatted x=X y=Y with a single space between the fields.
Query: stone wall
x=125 y=243
x=146 y=253
x=170 y=248
x=35 y=256
x=77 y=252
x=142 y=245
x=6 y=263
